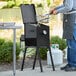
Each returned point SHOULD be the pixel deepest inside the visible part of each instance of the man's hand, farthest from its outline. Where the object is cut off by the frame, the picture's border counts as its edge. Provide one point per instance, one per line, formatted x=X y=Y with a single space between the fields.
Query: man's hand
x=53 y=11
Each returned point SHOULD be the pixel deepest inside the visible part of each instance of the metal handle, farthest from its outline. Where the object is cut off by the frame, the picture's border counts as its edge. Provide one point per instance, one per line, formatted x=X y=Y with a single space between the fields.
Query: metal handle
x=46 y=18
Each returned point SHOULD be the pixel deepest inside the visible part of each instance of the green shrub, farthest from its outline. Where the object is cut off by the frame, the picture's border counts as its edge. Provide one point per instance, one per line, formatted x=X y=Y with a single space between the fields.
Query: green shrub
x=39 y=5
x=6 y=51
x=60 y=41
x=43 y=53
x=1 y=41
x=10 y=4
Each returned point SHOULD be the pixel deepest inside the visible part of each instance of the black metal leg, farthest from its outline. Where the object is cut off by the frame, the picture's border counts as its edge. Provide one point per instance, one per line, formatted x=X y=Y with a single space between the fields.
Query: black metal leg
x=34 y=60
x=38 y=52
x=23 y=59
x=51 y=59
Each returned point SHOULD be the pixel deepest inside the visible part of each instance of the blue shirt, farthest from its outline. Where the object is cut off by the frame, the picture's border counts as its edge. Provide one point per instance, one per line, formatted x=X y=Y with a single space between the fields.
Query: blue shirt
x=67 y=6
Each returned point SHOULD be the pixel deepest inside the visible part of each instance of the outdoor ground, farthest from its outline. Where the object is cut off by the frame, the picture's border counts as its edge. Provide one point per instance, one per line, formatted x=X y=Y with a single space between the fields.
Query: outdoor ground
x=28 y=64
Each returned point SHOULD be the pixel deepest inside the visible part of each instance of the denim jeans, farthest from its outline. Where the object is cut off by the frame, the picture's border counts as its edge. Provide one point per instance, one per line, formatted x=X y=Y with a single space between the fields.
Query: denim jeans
x=71 y=51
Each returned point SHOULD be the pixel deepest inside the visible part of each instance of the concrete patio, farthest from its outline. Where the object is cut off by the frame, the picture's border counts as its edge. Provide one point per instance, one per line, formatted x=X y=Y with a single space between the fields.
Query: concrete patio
x=47 y=71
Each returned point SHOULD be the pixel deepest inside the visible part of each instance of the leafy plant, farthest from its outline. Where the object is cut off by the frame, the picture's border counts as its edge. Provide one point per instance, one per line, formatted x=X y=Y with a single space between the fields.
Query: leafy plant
x=39 y=5
x=43 y=53
x=6 y=51
x=10 y=4
x=60 y=41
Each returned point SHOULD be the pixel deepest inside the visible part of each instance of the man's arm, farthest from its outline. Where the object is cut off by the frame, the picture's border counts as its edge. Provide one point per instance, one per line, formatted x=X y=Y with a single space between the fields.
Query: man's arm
x=67 y=6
